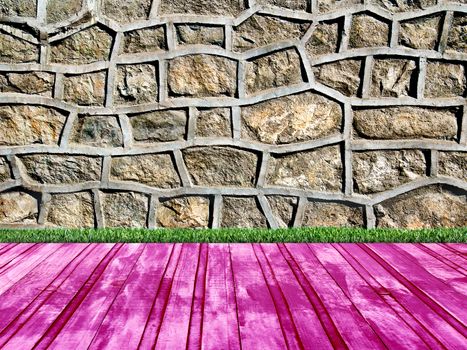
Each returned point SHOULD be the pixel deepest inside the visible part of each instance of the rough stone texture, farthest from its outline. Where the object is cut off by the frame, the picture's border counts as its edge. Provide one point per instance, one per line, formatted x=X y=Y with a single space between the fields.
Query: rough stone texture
x=74 y=210
x=298 y=5
x=324 y=40
x=34 y=83
x=457 y=37
x=187 y=212
x=445 y=79
x=135 y=84
x=126 y=11
x=202 y=76
x=213 y=122
x=393 y=78
x=156 y=170
x=343 y=76
x=23 y=8
x=453 y=164
x=221 y=166
x=97 y=131
x=283 y=208
x=293 y=118
x=228 y=8
x=24 y=125
x=14 y=50
x=335 y=5
x=125 y=209
x=144 y=40
x=332 y=214
x=58 y=169
x=159 y=126
x=405 y=123
x=259 y=31
x=318 y=170
x=427 y=207
x=193 y=34
x=5 y=172
x=376 y=171
x=60 y=10
x=85 y=89
x=272 y=71
x=87 y=46
x=18 y=207
x=367 y=31
x=241 y=212
x=421 y=33
x=404 y=5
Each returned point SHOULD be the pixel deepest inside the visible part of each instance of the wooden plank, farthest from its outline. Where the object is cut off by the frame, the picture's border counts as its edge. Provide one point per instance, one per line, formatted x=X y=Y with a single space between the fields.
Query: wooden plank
x=259 y=324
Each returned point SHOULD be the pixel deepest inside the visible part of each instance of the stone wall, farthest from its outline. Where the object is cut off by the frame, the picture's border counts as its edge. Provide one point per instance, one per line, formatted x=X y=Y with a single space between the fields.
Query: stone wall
x=219 y=113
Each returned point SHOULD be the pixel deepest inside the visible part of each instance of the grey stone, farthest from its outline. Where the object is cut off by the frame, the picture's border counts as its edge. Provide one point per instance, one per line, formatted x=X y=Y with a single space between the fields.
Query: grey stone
x=71 y=210
x=144 y=40
x=420 y=33
x=135 y=84
x=453 y=164
x=159 y=126
x=242 y=212
x=5 y=172
x=393 y=78
x=213 y=122
x=296 y=5
x=445 y=79
x=60 y=10
x=457 y=37
x=97 y=131
x=14 y=50
x=18 y=207
x=193 y=34
x=185 y=212
x=85 y=89
x=125 y=209
x=126 y=11
x=332 y=214
x=343 y=76
x=34 y=83
x=283 y=208
x=229 y=8
x=22 y=8
x=404 y=5
x=368 y=31
x=336 y=5
x=324 y=39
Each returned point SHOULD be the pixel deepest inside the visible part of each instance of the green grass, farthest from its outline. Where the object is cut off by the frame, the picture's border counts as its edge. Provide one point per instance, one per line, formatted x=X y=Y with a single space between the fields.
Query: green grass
x=236 y=235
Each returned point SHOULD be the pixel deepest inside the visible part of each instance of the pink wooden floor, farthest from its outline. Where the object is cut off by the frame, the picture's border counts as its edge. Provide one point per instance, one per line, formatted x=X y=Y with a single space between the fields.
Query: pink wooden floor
x=239 y=296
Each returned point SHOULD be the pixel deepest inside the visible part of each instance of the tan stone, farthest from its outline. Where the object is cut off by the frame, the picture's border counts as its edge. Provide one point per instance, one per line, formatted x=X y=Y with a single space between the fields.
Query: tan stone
x=5 y=172
x=71 y=210
x=97 y=131
x=135 y=84
x=335 y=5
x=367 y=31
x=202 y=76
x=85 y=89
x=453 y=164
x=60 y=10
x=343 y=76
x=193 y=34
x=293 y=118
x=324 y=39
x=23 y=8
x=230 y=8
x=24 y=125
x=457 y=37
x=283 y=208
x=156 y=170
x=14 y=50
x=18 y=207
x=405 y=123
x=125 y=209
x=393 y=78
x=420 y=33
x=319 y=170
x=376 y=171
x=213 y=122
x=126 y=11
x=273 y=71
x=34 y=83
x=159 y=126
x=186 y=212
x=427 y=207
x=221 y=166
x=144 y=40
x=242 y=212
x=403 y=5
x=445 y=79
x=296 y=5
x=332 y=214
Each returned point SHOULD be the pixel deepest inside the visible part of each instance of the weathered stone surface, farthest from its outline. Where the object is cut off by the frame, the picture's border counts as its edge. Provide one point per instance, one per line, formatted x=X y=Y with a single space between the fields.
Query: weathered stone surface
x=332 y=214
x=71 y=210
x=445 y=79
x=14 y=50
x=427 y=207
x=85 y=89
x=242 y=212
x=343 y=76
x=87 y=46
x=420 y=33
x=405 y=123
x=126 y=11
x=453 y=164
x=97 y=131
x=155 y=170
x=144 y=40
x=35 y=83
x=202 y=76
x=324 y=39
x=376 y=171
x=319 y=170
x=59 y=10
x=23 y=125
x=403 y=5
x=135 y=84
x=393 y=78
x=125 y=209
x=159 y=126
x=297 y=5
x=229 y=8
x=293 y=118
x=283 y=208
x=260 y=30
x=367 y=31
x=221 y=166
x=186 y=212
x=18 y=207
x=58 y=169
x=213 y=122
x=23 y=8
x=272 y=71
x=335 y=5
x=192 y=34
x=5 y=172
x=457 y=37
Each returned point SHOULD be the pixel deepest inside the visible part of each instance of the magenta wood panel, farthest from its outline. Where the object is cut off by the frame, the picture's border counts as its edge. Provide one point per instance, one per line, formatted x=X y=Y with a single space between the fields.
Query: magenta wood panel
x=237 y=296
